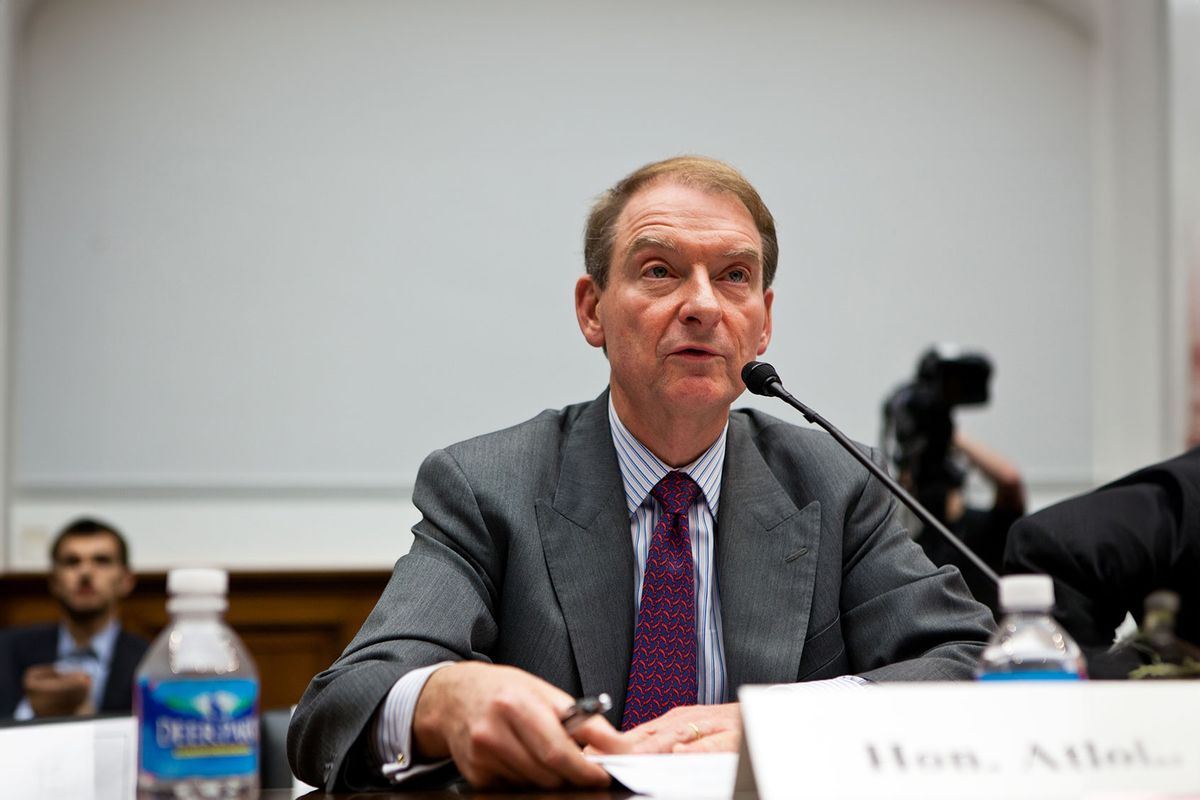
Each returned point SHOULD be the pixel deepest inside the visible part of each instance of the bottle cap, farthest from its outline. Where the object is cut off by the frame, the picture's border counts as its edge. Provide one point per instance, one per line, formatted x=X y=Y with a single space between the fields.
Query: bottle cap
x=1026 y=593
x=197 y=581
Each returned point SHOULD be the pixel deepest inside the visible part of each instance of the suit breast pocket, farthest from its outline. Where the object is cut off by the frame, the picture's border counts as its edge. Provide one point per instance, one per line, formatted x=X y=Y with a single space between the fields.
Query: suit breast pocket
x=824 y=654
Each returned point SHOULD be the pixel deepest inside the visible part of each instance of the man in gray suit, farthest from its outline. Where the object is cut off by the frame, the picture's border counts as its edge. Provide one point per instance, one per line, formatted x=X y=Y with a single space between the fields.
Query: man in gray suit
x=531 y=574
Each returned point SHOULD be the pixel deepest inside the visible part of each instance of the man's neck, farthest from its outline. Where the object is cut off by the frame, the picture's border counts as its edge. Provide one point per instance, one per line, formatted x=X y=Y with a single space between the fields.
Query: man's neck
x=676 y=439
x=84 y=629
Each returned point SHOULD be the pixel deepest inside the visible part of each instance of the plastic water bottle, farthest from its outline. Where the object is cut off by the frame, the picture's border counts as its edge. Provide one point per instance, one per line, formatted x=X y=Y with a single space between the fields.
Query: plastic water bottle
x=196 y=699
x=1029 y=644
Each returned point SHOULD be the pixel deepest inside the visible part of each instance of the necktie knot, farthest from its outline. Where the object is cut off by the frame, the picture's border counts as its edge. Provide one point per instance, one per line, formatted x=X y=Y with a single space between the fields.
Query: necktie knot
x=675 y=492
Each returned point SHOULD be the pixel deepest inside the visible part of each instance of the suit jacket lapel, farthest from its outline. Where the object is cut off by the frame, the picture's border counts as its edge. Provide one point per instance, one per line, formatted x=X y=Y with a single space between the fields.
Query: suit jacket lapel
x=766 y=562
x=585 y=535
x=118 y=690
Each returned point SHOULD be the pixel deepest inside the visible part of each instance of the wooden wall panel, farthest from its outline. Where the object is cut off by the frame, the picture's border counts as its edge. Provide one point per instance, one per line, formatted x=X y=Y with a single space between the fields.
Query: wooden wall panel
x=295 y=623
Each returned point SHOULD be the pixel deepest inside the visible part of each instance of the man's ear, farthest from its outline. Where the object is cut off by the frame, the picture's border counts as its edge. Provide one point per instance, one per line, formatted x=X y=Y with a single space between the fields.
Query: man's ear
x=587 y=311
x=765 y=338
x=52 y=584
x=128 y=581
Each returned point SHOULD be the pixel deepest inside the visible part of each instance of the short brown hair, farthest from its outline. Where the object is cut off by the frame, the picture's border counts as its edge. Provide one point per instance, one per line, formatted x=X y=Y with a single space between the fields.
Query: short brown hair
x=88 y=526
x=698 y=171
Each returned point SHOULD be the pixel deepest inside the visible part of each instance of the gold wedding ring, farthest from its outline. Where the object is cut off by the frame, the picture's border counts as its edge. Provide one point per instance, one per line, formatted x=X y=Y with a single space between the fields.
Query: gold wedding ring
x=696 y=731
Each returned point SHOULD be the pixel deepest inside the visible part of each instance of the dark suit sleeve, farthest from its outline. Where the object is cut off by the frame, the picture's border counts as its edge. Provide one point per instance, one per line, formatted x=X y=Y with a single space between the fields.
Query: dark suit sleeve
x=20 y=649
x=902 y=618
x=1106 y=551
x=10 y=675
x=438 y=606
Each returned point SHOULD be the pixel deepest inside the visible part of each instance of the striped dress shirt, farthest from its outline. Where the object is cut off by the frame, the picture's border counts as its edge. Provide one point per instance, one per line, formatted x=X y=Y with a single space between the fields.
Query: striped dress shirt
x=640 y=471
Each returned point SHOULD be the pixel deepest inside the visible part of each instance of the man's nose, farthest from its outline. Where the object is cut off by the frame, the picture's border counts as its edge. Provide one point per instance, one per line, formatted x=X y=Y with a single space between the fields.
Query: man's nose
x=700 y=303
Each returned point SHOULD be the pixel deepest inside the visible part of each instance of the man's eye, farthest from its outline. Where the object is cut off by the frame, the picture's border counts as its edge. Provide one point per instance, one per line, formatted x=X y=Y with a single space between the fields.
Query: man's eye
x=658 y=271
x=738 y=275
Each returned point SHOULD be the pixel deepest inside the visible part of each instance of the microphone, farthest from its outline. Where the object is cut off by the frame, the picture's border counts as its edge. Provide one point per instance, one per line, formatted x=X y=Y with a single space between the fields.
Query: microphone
x=762 y=379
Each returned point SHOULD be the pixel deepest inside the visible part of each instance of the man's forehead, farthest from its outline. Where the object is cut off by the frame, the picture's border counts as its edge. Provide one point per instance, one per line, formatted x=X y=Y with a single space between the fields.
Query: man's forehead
x=651 y=212
x=89 y=545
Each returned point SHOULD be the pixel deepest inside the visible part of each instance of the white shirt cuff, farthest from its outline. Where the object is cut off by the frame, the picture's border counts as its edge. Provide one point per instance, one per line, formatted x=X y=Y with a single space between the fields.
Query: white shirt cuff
x=392 y=739
x=23 y=710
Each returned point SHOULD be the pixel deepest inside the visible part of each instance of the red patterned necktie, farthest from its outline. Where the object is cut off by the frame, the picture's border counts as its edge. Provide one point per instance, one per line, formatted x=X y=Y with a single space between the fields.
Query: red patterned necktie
x=662 y=673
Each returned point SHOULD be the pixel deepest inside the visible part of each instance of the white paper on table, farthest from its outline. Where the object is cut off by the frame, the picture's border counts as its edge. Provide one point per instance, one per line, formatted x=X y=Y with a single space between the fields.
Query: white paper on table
x=49 y=761
x=696 y=775
x=115 y=743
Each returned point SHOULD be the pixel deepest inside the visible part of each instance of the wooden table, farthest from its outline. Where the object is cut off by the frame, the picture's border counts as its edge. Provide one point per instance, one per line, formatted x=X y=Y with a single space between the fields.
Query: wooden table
x=455 y=792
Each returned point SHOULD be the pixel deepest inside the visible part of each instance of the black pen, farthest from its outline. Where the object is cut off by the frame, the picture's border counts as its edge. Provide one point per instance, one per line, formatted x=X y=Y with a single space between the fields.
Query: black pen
x=584 y=709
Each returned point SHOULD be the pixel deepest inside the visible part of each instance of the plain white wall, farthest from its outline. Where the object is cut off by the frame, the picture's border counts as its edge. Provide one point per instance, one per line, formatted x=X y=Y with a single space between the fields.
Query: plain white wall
x=8 y=44
x=267 y=256
x=1185 y=200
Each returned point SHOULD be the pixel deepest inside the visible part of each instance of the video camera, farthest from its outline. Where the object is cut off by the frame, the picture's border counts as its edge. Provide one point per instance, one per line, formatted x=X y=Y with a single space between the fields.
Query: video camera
x=918 y=428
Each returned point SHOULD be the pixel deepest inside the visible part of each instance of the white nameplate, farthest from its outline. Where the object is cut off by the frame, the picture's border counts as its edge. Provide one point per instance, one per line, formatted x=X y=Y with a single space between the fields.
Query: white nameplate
x=979 y=740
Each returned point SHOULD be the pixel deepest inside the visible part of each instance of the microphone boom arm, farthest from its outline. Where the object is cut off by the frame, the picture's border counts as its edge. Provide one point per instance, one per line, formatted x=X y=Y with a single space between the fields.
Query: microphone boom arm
x=773 y=386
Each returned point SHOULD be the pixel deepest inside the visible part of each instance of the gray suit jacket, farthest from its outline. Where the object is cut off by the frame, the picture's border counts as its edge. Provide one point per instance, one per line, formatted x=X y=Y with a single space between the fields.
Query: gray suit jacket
x=524 y=557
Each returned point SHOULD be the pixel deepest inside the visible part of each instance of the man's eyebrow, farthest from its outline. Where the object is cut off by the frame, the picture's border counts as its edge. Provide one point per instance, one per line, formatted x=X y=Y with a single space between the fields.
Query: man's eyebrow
x=651 y=242
x=744 y=254
x=648 y=242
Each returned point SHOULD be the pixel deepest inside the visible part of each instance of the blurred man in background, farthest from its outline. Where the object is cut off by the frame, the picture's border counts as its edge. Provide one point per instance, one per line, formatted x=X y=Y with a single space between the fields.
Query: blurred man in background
x=85 y=663
x=933 y=459
x=984 y=530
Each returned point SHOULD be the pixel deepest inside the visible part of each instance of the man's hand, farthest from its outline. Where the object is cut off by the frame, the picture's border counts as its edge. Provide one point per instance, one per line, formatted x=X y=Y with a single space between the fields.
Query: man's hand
x=503 y=727
x=686 y=729
x=57 y=694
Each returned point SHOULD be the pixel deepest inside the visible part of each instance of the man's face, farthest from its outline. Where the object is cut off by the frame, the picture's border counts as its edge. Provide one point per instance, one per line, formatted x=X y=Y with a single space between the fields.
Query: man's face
x=684 y=308
x=88 y=578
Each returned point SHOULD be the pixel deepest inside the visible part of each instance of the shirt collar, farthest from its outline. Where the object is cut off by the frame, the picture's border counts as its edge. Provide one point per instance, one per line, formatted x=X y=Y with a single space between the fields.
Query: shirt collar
x=641 y=469
x=103 y=643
